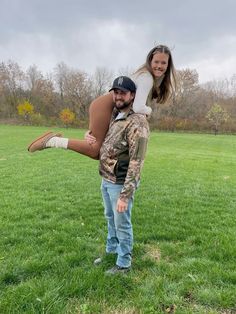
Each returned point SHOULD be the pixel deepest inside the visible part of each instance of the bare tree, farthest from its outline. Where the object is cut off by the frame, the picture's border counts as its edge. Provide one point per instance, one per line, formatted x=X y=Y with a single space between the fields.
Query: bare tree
x=188 y=86
x=101 y=81
x=78 y=90
x=223 y=91
x=233 y=85
x=47 y=97
x=11 y=80
x=183 y=103
x=33 y=79
x=219 y=89
x=61 y=72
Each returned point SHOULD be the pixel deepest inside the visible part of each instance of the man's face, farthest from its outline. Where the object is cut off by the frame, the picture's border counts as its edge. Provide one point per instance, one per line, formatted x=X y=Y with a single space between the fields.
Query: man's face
x=122 y=99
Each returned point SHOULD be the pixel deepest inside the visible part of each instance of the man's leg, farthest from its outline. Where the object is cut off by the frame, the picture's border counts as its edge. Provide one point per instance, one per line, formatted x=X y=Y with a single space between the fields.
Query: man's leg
x=124 y=232
x=122 y=225
x=112 y=240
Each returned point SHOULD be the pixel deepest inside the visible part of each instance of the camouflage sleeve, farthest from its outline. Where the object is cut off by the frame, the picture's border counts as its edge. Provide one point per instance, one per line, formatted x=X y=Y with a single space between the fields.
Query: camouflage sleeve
x=137 y=136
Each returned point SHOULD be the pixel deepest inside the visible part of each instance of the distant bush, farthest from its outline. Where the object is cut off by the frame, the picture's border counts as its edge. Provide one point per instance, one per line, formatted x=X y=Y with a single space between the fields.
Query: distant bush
x=25 y=110
x=67 y=117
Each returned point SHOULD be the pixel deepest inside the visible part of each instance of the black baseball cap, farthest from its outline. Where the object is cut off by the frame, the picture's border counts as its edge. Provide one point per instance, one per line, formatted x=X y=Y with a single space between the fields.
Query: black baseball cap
x=124 y=83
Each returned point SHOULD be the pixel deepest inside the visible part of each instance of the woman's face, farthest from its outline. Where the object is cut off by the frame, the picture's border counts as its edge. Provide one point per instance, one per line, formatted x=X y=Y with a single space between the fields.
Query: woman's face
x=159 y=63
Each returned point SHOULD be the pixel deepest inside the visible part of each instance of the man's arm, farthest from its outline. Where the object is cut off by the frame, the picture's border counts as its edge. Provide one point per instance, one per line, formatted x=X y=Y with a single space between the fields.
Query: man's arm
x=137 y=137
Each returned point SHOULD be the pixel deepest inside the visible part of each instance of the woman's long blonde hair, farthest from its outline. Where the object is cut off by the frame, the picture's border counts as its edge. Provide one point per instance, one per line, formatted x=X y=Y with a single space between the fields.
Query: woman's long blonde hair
x=168 y=85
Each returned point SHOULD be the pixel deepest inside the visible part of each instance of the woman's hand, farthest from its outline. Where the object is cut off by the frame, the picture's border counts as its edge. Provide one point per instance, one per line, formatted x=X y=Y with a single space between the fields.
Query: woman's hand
x=89 y=138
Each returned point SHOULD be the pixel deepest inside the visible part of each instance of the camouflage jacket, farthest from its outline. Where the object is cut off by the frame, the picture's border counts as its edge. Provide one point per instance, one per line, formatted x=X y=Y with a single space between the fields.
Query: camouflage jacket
x=123 y=151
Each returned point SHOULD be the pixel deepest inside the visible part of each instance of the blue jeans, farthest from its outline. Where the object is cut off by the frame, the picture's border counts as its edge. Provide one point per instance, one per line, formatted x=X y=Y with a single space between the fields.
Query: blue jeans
x=120 y=231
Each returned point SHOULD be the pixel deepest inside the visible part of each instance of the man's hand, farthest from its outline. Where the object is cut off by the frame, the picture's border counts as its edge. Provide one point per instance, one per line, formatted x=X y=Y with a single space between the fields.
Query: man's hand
x=121 y=206
x=89 y=138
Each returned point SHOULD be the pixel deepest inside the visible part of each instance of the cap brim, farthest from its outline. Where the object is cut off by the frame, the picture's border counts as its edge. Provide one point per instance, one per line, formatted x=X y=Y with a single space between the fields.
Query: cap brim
x=120 y=88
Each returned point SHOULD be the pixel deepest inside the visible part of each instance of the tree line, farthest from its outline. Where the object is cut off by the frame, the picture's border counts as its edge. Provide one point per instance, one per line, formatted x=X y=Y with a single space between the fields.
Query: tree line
x=62 y=97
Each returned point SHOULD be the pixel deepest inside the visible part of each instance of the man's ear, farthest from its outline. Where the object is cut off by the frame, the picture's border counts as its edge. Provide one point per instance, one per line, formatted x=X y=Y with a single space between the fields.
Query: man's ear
x=132 y=95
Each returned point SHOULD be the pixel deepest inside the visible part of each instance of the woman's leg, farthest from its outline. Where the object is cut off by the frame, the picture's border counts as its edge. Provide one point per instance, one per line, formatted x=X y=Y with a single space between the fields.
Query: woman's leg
x=100 y=112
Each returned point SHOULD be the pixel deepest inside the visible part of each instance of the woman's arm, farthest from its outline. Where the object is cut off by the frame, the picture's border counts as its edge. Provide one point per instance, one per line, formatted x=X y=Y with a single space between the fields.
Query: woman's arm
x=144 y=83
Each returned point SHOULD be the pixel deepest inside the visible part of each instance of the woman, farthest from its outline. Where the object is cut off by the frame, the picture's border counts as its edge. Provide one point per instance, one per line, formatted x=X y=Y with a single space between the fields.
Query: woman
x=154 y=80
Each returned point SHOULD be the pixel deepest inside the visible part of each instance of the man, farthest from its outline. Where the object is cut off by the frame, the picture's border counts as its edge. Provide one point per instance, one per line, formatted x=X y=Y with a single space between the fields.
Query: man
x=121 y=160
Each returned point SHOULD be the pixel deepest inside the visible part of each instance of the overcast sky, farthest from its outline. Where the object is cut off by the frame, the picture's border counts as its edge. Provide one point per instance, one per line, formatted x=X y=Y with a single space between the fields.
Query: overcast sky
x=118 y=34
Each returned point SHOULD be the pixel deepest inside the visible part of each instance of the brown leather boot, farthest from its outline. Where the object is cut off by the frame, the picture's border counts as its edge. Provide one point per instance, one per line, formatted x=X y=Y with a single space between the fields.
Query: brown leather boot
x=40 y=142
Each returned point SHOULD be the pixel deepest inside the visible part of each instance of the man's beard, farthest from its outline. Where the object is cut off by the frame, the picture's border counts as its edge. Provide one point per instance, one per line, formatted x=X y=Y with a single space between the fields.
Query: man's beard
x=125 y=105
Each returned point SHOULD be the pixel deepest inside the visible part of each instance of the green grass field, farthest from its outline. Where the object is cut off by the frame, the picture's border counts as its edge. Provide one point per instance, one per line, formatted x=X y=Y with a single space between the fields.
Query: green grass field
x=52 y=228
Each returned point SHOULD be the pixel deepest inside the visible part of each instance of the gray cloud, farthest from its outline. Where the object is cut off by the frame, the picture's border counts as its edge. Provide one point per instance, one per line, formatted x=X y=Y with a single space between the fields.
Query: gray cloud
x=87 y=34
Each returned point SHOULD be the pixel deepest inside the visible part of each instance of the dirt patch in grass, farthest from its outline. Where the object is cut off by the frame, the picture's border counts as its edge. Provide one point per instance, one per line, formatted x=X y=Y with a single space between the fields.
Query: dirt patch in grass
x=153 y=252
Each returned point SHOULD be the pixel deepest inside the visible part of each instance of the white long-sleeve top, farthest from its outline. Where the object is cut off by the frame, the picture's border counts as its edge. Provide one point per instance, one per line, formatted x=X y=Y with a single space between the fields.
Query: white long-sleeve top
x=144 y=83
